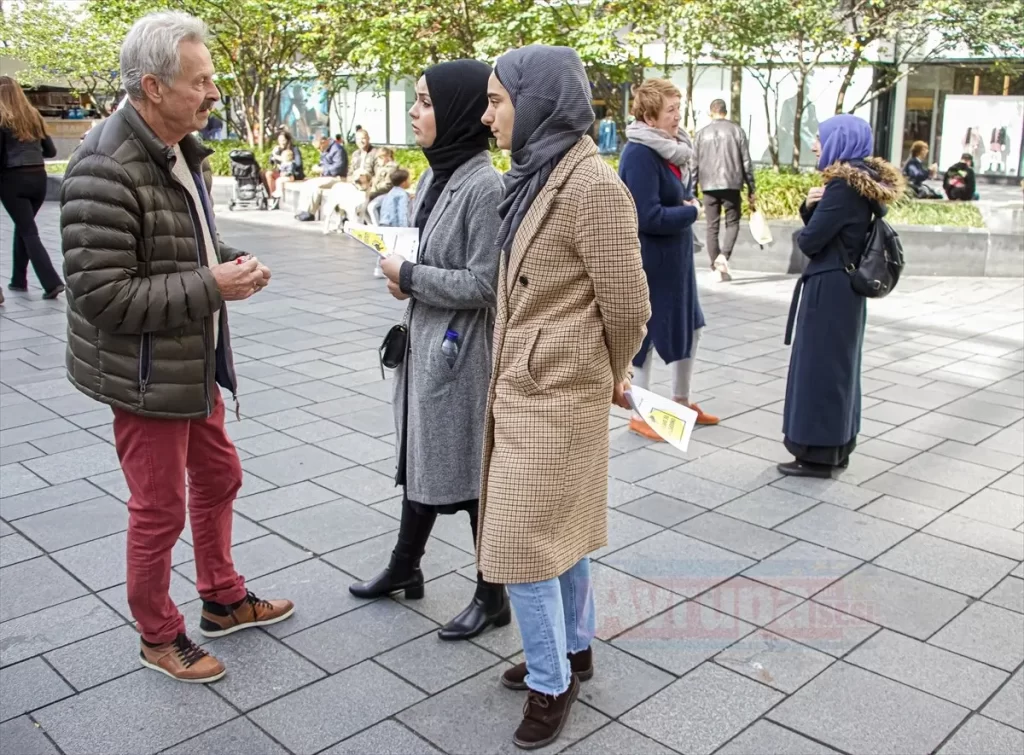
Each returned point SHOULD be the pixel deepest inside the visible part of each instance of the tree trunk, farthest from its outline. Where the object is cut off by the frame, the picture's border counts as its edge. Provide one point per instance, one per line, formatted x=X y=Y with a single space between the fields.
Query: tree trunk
x=691 y=70
x=261 y=119
x=851 y=69
x=798 y=117
x=773 y=130
x=736 y=93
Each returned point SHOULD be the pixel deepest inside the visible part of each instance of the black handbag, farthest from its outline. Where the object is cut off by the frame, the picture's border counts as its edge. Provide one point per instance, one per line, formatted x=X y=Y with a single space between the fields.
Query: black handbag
x=395 y=344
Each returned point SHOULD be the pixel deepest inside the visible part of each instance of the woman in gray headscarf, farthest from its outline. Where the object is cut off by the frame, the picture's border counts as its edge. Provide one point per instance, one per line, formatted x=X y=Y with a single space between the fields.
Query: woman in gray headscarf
x=572 y=304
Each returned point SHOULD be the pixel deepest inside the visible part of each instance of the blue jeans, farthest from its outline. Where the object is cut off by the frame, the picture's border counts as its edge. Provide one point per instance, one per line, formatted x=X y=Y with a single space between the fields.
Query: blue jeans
x=555 y=617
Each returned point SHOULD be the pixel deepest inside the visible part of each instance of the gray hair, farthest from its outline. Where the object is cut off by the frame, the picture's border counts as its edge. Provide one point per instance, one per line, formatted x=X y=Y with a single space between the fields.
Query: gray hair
x=151 y=47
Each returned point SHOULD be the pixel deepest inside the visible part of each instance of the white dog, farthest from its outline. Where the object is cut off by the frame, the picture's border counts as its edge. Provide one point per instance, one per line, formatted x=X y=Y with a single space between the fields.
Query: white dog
x=342 y=202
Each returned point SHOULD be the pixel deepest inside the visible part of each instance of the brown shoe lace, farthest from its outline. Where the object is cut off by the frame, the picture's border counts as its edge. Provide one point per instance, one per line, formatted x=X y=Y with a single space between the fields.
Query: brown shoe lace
x=189 y=652
x=538 y=699
x=257 y=603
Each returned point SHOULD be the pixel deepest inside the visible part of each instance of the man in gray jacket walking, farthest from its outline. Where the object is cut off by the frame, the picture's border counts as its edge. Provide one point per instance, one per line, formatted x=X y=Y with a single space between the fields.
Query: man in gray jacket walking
x=722 y=168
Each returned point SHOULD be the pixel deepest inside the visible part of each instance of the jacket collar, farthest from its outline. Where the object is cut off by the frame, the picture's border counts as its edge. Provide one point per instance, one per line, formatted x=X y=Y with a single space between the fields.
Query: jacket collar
x=191 y=148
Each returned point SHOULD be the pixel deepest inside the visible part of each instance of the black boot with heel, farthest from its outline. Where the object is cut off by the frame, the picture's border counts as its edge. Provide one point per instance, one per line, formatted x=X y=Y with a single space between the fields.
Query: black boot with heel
x=403 y=571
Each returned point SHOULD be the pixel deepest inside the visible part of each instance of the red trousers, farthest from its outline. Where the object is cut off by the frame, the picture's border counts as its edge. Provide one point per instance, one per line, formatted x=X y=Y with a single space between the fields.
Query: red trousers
x=156 y=456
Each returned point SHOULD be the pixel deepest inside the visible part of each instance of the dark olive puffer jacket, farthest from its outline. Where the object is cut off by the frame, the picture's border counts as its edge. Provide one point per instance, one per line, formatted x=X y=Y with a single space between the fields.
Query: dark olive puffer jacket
x=141 y=297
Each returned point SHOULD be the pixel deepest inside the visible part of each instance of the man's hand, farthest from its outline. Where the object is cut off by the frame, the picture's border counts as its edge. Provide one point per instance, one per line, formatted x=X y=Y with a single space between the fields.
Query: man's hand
x=751 y=202
x=265 y=271
x=619 y=395
x=239 y=279
x=392 y=267
x=395 y=291
x=814 y=195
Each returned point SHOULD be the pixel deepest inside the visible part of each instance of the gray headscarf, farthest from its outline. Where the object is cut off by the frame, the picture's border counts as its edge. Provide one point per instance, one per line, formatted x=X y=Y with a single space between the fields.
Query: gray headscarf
x=551 y=94
x=678 y=150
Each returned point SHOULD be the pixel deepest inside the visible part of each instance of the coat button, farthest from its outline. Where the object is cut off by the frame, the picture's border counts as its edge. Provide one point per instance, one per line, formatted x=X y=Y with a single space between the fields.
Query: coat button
x=523 y=280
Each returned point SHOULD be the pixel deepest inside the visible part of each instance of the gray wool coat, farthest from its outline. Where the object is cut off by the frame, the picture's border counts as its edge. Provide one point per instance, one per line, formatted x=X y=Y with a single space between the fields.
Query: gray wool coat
x=453 y=287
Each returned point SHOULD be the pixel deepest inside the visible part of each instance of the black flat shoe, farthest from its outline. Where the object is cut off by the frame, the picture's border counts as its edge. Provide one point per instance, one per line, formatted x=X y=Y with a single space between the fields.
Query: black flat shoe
x=806 y=469
x=395 y=578
x=53 y=293
x=20 y=289
x=484 y=611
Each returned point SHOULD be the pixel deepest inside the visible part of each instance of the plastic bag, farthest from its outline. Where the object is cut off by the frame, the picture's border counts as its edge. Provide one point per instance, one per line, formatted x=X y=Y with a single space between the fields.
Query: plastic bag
x=759 y=229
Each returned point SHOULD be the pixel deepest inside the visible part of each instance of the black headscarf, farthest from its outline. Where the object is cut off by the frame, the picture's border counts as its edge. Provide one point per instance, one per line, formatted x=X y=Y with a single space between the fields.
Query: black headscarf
x=458 y=91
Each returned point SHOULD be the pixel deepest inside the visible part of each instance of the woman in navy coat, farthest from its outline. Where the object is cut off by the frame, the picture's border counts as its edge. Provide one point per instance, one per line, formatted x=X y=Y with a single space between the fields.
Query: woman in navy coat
x=655 y=166
x=822 y=414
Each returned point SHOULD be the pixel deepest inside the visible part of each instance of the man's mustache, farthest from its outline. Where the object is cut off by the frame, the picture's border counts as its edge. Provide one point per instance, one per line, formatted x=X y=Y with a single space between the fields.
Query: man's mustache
x=208 y=104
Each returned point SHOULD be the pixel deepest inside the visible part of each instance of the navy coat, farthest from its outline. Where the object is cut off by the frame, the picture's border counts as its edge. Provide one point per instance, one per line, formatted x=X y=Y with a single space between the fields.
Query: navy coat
x=823 y=391
x=666 y=245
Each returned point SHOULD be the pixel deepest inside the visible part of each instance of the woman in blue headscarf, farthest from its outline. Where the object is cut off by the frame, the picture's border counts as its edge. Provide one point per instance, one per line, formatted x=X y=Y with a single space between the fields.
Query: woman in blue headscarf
x=822 y=415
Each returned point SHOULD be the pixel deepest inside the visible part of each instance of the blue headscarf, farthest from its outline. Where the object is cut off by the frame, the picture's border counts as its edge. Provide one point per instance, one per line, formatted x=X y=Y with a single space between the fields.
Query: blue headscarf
x=844 y=138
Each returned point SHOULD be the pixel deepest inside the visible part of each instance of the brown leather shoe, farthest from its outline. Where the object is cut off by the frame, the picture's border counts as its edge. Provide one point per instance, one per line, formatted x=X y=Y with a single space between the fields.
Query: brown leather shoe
x=581 y=663
x=183 y=660
x=544 y=717
x=219 y=619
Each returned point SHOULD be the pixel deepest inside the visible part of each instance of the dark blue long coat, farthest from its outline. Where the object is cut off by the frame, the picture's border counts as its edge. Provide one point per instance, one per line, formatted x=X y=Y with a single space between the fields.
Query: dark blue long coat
x=823 y=391
x=666 y=245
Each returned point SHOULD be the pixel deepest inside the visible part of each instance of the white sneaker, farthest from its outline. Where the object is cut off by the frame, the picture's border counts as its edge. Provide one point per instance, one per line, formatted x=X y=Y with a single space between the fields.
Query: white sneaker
x=726 y=275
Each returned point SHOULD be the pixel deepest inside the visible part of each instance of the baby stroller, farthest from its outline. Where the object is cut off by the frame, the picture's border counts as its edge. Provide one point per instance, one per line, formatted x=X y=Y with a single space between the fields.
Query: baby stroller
x=249 y=191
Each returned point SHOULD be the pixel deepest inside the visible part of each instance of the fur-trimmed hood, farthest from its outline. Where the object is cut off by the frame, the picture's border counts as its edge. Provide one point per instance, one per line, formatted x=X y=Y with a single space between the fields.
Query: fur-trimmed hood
x=874 y=179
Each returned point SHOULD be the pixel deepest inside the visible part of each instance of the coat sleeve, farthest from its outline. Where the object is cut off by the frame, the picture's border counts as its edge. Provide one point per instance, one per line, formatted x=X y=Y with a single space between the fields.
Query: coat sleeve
x=49 y=150
x=612 y=259
x=826 y=219
x=474 y=286
x=639 y=172
x=100 y=223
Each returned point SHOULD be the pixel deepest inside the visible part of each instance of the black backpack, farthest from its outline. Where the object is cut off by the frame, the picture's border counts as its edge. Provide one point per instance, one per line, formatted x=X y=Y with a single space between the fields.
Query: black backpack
x=878 y=271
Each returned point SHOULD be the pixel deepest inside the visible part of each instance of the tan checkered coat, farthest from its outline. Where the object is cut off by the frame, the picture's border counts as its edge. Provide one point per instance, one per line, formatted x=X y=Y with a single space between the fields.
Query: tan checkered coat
x=572 y=310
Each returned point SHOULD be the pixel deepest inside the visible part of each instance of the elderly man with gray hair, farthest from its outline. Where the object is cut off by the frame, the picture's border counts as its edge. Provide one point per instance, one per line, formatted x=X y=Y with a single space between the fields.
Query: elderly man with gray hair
x=147 y=281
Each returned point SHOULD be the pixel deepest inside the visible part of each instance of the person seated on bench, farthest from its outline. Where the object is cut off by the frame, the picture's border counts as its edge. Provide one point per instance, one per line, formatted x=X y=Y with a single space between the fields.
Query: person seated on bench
x=959 y=182
x=332 y=168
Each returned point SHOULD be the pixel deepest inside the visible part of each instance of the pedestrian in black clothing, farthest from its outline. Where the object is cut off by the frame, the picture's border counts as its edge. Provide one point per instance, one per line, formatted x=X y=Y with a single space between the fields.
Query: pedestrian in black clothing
x=23 y=147
x=959 y=183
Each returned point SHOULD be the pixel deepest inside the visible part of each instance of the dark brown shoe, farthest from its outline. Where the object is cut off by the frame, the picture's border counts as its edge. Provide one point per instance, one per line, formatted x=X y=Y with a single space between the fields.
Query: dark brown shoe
x=544 y=717
x=218 y=619
x=581 y=663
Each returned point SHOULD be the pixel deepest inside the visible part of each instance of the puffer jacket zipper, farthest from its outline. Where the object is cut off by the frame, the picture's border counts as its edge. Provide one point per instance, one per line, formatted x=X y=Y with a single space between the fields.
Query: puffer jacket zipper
x=145 y=361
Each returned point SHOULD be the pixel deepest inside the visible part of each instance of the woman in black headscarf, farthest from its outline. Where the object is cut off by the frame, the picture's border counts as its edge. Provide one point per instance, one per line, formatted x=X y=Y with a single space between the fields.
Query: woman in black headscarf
x=440 y=391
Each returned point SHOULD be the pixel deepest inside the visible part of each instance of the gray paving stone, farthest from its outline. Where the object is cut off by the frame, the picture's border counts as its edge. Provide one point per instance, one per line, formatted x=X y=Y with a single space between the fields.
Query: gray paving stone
x=836 y=492
x=678 y=483
x=15 y=549
x=433 y=665
x=5 y=530
x=314 y=432
x=684 y=637
x=242 y=530
x=367 y=558
x=18 y=415
x=886 y=451
x=768 y=506
x=620 y=492
x=1008 y=704
x=616 y=739
x=734 y=469
x=283 y=500
x=377 y=421
x=76 y=464
x=114 y=484
x=335 y=708
x=22 y=737
x=99 y=563
x=237 y=736
x=661 y=510
x=942 y=562
x=976 y=455
x=268 y=669
x=364 y=633
x=985 y=633
x=295 y=465
x=762 y=448
x=444 y=598
x=993 y=507
x=802 y=569
x=106 y=718
x=478 y=717
x=16 y=479
x=182 y=592
x=820 y=627
x=257 y=557
x=360 y=484
x=846 y=531
x=35 y=431
x=928 y=668
x=952 y=428
x=774 y=660
x=624 y=530
x=917 y=491
x=1008 y=594
x=77 y=523
x=288 y=418
x=53 y=627
x=386 y=738
x=330 y=526
x=19 y=452
x=891 y=509
x=267 y=443
x=857 y=711
x=29 y=685
x=678 y=563
x=951 y=473
x=980 y=535
x=357 y=447
x=980 y=734
x=750 y=601
x=1012 y=483
x=625 y=601
x=34 y=585
x=637 y=465
x=766 y=738
x=319 y=592
x=734 y=534
x=622 y=683
x=718 y=705
x=77 y=662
